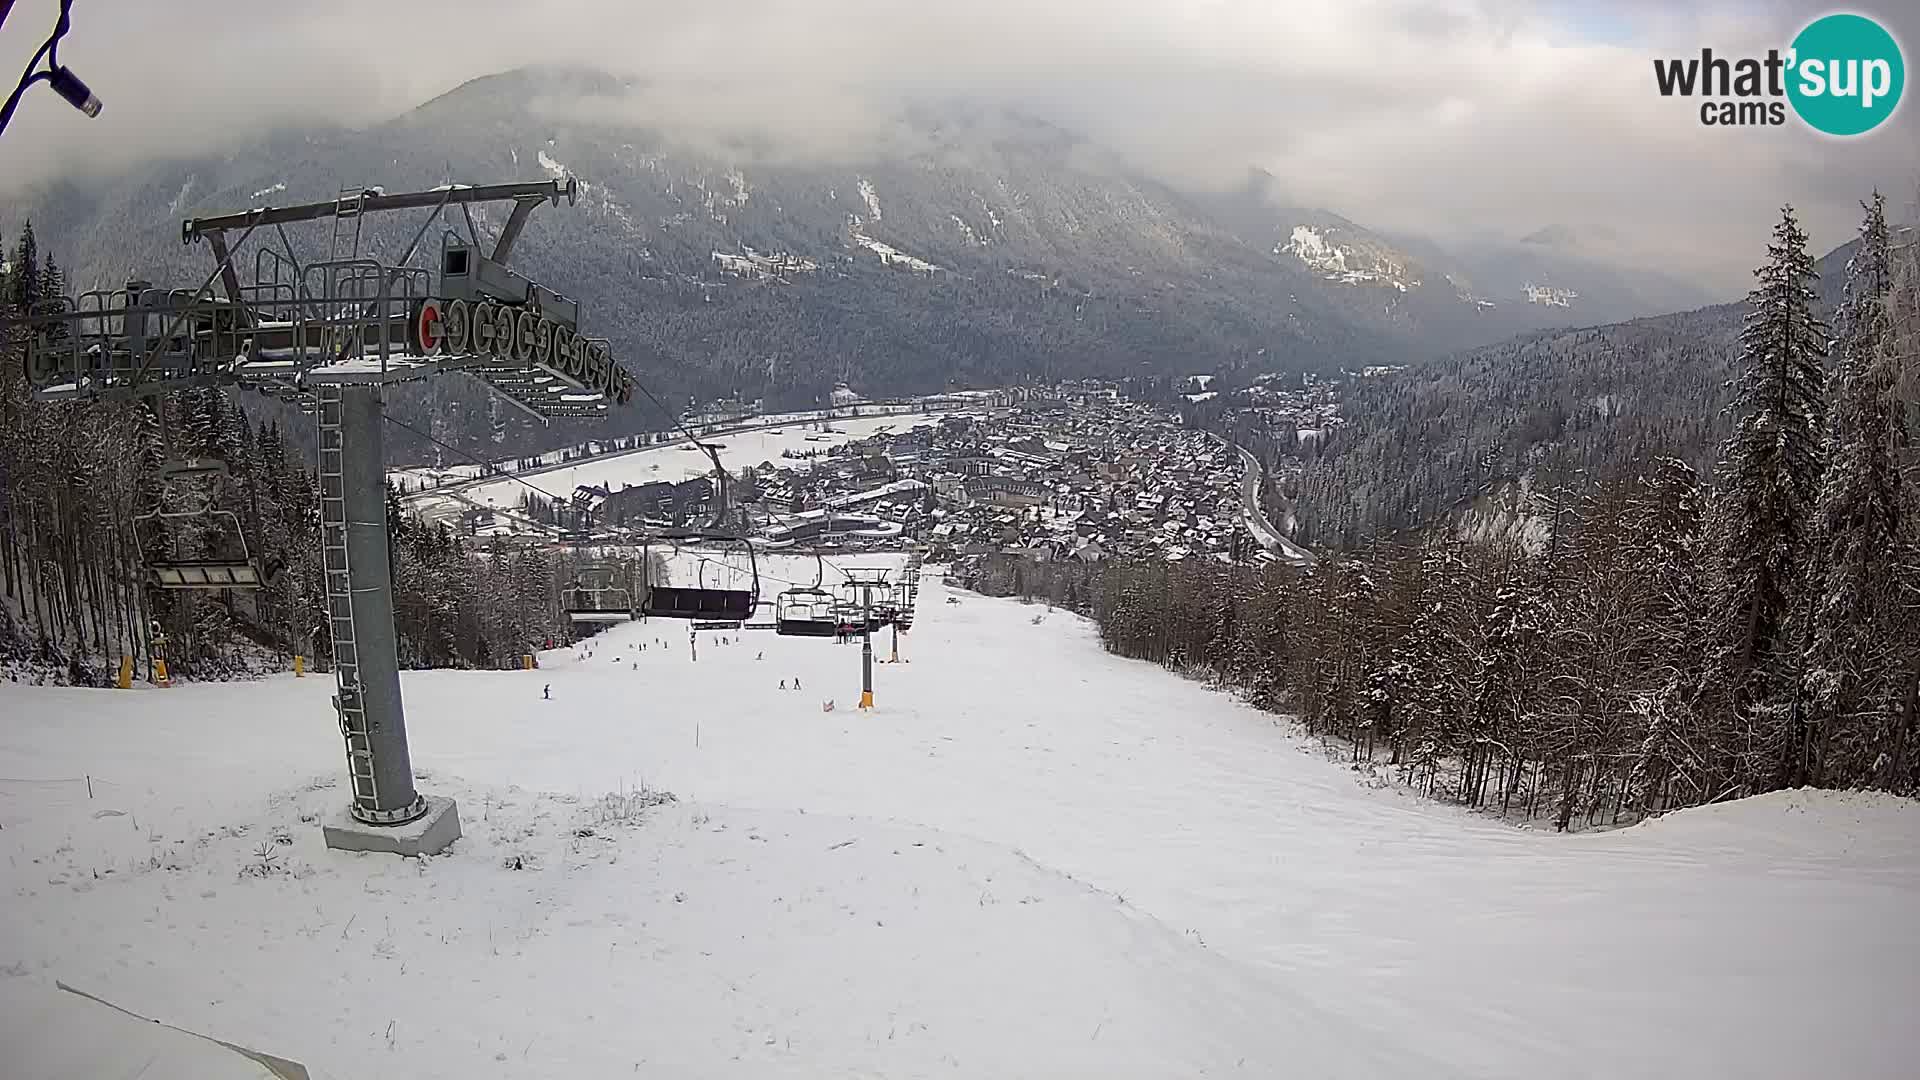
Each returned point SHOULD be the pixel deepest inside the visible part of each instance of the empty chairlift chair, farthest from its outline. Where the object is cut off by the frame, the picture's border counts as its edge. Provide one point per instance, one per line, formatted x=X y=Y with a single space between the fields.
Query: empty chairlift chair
x=805 y=613
x=701 y=602
x=192 y=545
x=855 y=615
x=594 y=598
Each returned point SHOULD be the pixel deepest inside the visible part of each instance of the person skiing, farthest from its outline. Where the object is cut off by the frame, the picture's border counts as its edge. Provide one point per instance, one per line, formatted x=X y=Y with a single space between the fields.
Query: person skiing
x=546 y=692
x=796 y=682
x=783 y=684
x=760 y=656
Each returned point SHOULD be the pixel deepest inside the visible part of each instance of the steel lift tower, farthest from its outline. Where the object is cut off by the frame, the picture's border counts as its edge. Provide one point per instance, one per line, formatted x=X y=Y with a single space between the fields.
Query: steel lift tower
x=866 y=580
x=331 y=335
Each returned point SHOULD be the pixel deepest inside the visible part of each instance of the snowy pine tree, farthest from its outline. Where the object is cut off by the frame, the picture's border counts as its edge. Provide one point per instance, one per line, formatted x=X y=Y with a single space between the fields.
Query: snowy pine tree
x=53 y=283
x=23 y=279
x=1857 y=516
x=1770 y=467
x=1897 y=766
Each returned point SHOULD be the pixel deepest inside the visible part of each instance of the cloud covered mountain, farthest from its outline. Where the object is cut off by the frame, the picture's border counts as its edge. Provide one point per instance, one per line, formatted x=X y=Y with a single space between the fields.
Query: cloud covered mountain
x=967 y=245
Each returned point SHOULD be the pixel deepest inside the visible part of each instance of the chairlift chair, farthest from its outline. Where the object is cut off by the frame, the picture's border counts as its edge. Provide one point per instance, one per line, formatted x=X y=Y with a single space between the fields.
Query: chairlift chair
x=853 y=611
x=849 y=617
x=700 y=603
x=806 y=611
x=230 y=566
x=594 y=598
x=803 y=612
x=193 y=469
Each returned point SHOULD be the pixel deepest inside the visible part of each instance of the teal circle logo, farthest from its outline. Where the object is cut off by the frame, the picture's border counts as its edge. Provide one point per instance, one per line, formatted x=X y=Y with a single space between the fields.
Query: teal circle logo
x=1846 y=74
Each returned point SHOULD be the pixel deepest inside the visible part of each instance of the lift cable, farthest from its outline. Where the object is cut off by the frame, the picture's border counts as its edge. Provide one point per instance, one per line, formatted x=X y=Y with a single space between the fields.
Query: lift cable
x=492 y=469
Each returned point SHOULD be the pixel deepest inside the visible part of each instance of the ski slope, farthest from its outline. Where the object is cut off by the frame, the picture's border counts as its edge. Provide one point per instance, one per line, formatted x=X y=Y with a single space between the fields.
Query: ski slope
x=1032 y=859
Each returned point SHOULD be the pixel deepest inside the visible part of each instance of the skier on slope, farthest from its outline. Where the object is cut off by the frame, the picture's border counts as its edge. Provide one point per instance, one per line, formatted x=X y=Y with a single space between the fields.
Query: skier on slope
x=546 y=692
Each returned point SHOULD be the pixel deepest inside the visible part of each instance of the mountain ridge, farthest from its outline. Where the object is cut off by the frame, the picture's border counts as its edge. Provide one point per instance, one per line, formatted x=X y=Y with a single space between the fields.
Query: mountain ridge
x=1491 y=423
x=973 y=246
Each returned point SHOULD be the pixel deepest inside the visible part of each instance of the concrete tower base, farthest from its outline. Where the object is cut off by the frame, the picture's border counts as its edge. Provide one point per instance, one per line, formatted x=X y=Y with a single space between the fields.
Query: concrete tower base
x=428 y=834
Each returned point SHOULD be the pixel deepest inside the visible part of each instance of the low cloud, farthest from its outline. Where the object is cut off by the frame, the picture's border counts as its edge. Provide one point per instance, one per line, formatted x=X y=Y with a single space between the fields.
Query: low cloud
x=1446 y=117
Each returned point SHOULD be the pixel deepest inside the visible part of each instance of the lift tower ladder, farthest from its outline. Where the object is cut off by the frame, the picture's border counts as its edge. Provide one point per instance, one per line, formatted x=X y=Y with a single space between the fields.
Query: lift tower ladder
x=349 y=700
x=349 y=209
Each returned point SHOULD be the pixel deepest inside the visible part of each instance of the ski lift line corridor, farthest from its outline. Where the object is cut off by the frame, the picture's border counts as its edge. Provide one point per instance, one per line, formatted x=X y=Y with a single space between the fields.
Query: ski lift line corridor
x=330 y=336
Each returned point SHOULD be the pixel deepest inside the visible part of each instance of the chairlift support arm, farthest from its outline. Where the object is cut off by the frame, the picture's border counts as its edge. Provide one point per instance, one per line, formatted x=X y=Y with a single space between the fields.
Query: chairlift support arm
x=528 y=195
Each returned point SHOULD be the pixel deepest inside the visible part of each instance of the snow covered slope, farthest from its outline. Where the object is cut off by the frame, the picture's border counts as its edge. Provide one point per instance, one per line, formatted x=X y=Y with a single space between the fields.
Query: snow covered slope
x=1032 y=860
x=671 y=462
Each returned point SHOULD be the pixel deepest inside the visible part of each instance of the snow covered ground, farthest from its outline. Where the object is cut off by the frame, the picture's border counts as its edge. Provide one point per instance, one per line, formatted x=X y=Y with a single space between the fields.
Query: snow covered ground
x=672 y=462
x=430 y=476
x=1032 y=860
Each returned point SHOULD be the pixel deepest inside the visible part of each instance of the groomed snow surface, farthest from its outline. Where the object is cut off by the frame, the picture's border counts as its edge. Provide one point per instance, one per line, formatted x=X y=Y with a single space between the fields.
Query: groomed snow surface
x=1032 y=860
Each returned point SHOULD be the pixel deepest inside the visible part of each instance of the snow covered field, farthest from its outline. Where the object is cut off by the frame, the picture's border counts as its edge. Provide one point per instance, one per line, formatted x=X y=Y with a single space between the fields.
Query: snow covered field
x=435 y=475
x=1032 y=860
x=672 y=462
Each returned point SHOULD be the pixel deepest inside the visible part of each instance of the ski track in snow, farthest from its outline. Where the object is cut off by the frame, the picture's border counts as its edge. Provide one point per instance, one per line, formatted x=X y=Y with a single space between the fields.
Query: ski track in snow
x=1032 y=860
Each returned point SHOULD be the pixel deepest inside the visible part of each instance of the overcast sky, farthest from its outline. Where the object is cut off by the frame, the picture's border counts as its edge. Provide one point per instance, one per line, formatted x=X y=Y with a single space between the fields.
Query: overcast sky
x=1438 y=116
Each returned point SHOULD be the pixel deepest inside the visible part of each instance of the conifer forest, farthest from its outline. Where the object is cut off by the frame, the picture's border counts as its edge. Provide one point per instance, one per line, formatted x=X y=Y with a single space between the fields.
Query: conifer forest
x=1678 y=636
x=1718 y=605
x=76 y=484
